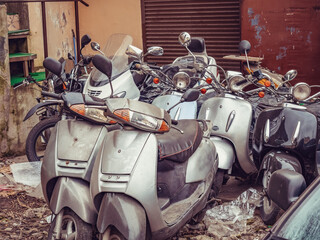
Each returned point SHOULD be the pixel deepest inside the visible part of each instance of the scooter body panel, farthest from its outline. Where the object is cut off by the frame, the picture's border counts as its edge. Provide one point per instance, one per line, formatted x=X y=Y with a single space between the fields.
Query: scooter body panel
x=287 y=129
x=231 y=118
x=202 y=161
x=225 y=152
x=73 y=193
x=186 y=110
x=123 y=86
x=56 y=166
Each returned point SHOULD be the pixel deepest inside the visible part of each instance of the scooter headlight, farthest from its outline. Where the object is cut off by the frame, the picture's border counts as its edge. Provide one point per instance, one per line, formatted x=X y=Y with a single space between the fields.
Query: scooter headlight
x=93 y=113
x=301 y=91
x=142 y=120
x=181 y=80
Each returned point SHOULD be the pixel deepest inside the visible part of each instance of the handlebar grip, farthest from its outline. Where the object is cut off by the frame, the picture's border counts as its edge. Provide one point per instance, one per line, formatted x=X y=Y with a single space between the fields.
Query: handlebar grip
x=18 y=84
x=49 y=94
x=174 y=122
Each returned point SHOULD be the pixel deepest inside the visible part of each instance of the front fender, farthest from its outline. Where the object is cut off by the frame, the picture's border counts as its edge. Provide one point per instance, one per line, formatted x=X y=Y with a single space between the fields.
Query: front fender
x=124 y=213
x=73 y=193
x=36 y=107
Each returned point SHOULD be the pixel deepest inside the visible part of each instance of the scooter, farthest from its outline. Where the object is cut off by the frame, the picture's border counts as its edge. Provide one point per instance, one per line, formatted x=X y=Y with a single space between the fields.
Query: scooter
x=286 y=137
x=153 y=175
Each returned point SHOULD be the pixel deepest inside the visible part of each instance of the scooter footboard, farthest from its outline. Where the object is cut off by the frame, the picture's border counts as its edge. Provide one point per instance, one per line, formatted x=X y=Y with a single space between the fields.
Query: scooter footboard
x=124 y=213
x=73 y=193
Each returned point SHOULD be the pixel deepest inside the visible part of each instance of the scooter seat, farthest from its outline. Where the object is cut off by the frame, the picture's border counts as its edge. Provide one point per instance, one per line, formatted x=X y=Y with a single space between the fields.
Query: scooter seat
x=180 y=142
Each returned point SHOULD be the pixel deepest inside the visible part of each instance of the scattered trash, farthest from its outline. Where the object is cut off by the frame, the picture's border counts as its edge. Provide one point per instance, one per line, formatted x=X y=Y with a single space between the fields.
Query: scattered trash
x=231 y=218
x=27 y=173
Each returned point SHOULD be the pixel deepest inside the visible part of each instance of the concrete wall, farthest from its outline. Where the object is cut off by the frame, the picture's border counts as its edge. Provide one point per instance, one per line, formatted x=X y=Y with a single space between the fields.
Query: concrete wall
x=105 y=17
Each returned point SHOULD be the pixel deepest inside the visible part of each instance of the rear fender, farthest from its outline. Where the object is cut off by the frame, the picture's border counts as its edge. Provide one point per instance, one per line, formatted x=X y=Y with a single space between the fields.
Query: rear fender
x=124 y=213
x=75 y=194
x=225 y=152
x=275 y=160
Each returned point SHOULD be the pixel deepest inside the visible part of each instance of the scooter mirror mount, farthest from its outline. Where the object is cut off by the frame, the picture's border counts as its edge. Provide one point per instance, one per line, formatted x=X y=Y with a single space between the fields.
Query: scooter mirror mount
x=134 y=52
x=70 y=57
x=53 y=66
x=85 y=40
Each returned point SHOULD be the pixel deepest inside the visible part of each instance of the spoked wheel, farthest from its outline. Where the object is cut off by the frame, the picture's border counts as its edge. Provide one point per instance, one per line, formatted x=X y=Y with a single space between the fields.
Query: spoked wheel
x=112 y=234
x=269 y=211
x=38 y=138
x=72 y=228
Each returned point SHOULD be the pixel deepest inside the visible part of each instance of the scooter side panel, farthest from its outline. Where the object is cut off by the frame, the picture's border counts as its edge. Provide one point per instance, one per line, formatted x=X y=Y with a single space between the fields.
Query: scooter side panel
x=66 y=191
x=202 y=161
x=231 y=119
x=187 y=110
x=119 y=210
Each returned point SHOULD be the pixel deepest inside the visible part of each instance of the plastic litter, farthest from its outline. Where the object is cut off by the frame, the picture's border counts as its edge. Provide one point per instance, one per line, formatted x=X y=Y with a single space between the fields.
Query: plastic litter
x=27 y=173
x=231 y=217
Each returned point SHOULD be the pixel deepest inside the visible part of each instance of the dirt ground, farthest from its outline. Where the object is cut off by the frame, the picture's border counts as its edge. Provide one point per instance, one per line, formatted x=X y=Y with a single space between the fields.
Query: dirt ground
x=23 y=213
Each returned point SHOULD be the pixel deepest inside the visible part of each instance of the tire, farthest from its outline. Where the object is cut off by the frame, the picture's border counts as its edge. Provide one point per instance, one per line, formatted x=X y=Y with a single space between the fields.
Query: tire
x=113 y=234
x=269 y=211
x=217 y=182
x=72 y=225
x=38 y=138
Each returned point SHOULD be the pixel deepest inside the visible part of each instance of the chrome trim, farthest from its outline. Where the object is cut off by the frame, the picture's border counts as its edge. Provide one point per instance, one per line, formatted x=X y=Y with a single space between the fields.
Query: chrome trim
x=177 y=115
x=294 y=106
x=296 y=133
x=230 y=120
x=266 y=135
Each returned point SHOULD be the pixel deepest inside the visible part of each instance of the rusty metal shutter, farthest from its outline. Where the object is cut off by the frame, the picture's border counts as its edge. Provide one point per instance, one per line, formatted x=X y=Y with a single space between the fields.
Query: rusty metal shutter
x=218 y=22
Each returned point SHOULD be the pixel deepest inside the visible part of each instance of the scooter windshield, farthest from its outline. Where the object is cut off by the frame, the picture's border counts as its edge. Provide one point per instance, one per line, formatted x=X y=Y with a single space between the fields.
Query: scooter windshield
x=115 y=50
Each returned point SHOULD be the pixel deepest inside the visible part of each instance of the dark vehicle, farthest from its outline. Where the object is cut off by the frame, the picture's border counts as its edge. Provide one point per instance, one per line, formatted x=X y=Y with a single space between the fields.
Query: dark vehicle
x=302 y=220
x=286 y=137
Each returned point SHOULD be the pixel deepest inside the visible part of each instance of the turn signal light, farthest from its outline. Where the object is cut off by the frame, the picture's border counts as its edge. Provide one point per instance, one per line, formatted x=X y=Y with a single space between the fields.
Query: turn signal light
x=156 y=80
x=203 y=90
x=209 y=80
x=78 y=108
x=267 y=83
x=261 y=94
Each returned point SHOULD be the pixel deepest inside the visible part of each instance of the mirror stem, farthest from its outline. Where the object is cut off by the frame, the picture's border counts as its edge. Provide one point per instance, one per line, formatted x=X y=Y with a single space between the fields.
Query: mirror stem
x=247 y=60
x=181 y=101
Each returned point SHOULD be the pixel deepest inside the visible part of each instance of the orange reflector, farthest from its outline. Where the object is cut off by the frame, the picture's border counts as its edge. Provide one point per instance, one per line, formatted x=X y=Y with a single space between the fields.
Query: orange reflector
x=156 y=80
x=112 y=122
x=267 y=83
x=261 y=94
x=164 y=127
x=209 y=80
x=78 y=108
x=123 y=113
x=203 y=90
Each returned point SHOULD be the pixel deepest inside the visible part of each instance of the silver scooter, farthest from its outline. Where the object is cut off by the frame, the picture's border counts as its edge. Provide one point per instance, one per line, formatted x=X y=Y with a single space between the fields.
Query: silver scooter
x=153 y=175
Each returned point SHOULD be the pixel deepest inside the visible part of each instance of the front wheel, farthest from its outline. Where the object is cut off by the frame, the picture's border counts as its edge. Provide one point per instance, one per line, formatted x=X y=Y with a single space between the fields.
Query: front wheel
x=38 y=138
x=72 y=227
x=269 y=211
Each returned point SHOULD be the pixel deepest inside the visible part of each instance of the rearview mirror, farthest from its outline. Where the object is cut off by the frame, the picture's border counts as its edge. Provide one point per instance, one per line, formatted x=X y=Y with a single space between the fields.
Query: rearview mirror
x=191 y=95
x=185 y=39
x=290 y=75
x=134 y=52
x=103 y=64
x=95 y=46
x=53 y=66
x=85 y=40
x=285 y=187
x=155 y=51
x=244 y=46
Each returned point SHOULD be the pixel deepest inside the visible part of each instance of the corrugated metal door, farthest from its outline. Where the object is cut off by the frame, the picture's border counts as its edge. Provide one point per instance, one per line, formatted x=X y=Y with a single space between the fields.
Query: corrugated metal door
x=218 y=22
